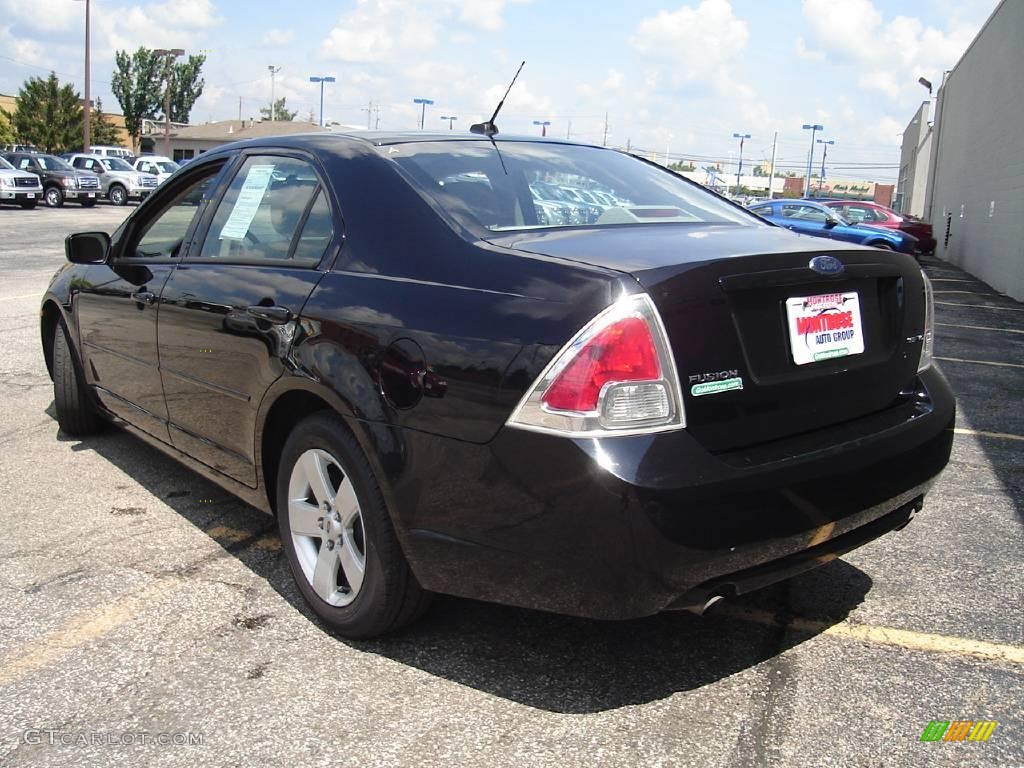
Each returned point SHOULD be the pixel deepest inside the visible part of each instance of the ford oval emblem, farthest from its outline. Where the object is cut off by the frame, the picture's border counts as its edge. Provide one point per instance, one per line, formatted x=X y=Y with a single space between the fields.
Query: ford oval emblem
x=826 y=265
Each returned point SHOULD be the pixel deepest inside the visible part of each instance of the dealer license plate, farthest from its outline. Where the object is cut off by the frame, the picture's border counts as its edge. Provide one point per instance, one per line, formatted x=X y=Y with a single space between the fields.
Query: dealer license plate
x=824 y=327
x=30 y=195
x=92 y=194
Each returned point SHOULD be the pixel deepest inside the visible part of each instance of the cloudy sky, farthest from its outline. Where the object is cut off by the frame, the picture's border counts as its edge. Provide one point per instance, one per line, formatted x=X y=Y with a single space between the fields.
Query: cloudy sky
x=672 y=77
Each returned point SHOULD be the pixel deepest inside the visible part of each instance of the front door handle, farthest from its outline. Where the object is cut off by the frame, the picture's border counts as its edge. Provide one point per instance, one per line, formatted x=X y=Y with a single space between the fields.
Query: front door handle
x=276 y=315
x=144 y=297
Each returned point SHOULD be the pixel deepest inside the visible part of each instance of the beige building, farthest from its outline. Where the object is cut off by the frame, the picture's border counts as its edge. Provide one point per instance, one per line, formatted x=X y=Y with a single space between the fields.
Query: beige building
x=915 y=162
x=194 y=140
x=975 y=197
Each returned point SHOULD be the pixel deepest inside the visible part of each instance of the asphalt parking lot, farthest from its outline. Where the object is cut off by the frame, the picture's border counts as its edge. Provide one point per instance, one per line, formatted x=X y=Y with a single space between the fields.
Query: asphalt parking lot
x=137 y=598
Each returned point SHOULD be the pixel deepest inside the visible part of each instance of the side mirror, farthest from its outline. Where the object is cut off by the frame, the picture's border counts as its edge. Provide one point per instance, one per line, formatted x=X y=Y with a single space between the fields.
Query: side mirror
x=87 y=247
x=831 y=223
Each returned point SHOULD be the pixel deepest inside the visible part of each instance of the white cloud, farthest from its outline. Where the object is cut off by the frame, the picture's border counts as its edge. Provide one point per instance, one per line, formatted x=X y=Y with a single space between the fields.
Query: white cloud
x=485 y=14
x=805 y=53
x=170 y=24
x=700 y=41
x=46 y=15
x=614 y=80
x=278 y=38
x=891 y=54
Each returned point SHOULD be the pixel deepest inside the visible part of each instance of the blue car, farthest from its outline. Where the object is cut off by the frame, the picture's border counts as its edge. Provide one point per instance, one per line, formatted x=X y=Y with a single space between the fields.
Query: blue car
x=807 y=217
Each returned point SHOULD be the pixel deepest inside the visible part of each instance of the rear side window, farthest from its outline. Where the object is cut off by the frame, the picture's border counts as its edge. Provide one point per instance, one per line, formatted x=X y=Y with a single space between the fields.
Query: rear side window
x=262 y=212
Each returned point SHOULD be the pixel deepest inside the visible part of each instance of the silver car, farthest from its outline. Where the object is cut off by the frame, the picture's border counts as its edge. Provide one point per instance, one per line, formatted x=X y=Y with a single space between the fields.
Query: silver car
x=118 y=180
x=19 y=187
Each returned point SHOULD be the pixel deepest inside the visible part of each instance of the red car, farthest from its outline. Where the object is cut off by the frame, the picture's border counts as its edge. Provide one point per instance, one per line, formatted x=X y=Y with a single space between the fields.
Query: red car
x=859 y=212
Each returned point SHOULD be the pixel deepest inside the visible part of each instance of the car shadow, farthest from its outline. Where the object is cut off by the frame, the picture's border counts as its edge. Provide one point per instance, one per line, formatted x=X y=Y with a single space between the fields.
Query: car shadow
x=550 y=662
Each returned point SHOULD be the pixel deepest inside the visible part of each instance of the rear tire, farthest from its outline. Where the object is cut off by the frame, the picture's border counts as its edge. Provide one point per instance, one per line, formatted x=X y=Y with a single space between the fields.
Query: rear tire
x=344 y=554
x=76 y=413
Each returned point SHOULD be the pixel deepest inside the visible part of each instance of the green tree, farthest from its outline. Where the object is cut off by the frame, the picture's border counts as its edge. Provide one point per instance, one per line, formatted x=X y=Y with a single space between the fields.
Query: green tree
x=138 y=85
x=186 y=87
x=101 y=130
x=280 y=111
x=7 y=135
x=49 y=115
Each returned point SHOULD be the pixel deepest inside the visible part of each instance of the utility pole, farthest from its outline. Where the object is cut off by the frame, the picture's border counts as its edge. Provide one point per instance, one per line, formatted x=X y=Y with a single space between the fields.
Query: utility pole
x=376 y=117
x=88 y=103
x=369 y=113
x=771 y=170
x=239 y=109
x=273 y=71
x=169 y=56
x=568 y=132
x=604 y=141
x=739 y=168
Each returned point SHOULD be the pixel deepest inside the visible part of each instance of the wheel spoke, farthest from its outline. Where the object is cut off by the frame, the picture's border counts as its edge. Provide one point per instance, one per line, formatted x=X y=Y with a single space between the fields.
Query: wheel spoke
x=352 y=563
x=346 y=504
x=315 y=468
x=304 y=517
x=325 y=573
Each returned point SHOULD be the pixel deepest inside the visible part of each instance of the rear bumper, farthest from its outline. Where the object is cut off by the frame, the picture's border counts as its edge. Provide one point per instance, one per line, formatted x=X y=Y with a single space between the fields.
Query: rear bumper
x=626 y=527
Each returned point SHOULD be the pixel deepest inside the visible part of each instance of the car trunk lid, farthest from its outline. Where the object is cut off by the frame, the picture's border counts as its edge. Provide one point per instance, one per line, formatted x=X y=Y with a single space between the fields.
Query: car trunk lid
x=722 y=294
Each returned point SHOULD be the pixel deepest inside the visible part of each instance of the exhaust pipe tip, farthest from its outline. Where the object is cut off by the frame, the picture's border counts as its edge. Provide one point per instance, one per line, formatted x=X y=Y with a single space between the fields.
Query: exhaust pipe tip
x=700 y=610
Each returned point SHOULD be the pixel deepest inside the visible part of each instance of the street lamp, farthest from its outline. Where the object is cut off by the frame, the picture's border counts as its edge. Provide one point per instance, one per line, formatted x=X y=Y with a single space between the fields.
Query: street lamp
x=273 y=71
x=321 y=80
x=543 y=126
x=423 y=109
x=88 y=103
x=926 y=83
x=821 y=179
x=169 y=54
x=451 y=120
x=810 y=158
x=739 y=168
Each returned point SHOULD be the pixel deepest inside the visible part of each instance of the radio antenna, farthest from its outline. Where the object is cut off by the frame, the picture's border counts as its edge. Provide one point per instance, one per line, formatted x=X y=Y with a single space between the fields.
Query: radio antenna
x=489 y=128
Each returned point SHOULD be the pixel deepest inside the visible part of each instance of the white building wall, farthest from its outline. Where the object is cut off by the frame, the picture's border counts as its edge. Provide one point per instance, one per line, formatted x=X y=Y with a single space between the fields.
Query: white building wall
x=977 y=185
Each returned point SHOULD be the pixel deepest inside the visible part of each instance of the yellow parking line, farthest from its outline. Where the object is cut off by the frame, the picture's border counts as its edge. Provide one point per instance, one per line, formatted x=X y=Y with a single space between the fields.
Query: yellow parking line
x=25 y=296
x=979 y=362
x=982 y=433
x=979 y=306
x=902 y=638
x=981 y=328
x=87 y=626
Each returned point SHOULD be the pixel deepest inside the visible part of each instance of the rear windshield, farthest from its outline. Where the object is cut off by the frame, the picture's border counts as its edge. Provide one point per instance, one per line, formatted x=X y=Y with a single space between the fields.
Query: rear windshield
x=529 y=185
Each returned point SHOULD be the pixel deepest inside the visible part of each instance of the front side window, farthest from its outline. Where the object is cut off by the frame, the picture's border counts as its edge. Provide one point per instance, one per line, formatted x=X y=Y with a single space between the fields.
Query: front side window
x=262 y=210
x=804 y=213
x=514 y=185
x=164 y=234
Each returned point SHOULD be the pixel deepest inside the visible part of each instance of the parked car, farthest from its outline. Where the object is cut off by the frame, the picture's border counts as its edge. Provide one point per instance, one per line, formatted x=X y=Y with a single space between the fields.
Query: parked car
x=105 y=151
x=59 y=180
x=807 y=217
x=435 y=392
x=119 y=181
x=156 y=165
x=875 y=215
x=18 y=148
x=19 y=187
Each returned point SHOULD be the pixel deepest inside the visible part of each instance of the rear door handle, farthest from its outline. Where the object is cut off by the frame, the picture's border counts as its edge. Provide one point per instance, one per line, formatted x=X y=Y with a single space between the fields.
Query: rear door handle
x=276 y=315
x=144 y=297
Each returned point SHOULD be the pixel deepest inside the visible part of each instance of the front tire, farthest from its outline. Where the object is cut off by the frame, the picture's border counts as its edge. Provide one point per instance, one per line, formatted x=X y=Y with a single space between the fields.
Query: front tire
x=54 y=197
x=117 y=195
x=76 y=413
x=338 y=535
x=882 y=246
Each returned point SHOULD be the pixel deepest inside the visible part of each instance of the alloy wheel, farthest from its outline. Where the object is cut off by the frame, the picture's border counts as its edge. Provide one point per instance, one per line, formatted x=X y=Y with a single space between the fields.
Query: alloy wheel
x=326 y=526
x=53 y=197
x=118 y=196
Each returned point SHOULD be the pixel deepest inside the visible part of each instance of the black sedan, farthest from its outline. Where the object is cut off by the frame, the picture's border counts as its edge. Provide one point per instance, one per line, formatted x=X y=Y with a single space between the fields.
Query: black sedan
x=379 y=340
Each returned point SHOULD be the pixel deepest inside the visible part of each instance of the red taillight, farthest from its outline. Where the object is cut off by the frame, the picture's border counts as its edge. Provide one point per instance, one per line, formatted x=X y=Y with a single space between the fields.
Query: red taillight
x=622 y=352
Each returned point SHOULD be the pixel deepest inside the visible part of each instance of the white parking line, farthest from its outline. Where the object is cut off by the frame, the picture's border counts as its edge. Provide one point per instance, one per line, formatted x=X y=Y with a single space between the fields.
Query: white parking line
x=24 y=296
x=983 y=433
x=979 y=306
x=981 y=328
x=979 y=362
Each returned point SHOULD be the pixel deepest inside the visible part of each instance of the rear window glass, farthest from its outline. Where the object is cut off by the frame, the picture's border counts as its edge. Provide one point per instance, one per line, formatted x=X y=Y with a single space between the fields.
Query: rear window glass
x=527 y=185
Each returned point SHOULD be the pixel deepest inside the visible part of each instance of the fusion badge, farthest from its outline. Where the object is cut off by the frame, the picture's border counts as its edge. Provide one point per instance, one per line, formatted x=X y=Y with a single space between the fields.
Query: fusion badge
x=713 y=382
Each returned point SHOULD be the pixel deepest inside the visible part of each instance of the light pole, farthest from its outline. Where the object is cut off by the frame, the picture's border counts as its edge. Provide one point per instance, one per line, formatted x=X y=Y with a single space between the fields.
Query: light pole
x=739 y=168
x=169 y=54
x=321 y=80
x=821 y=178
x=88 y=103
x=543 y=126
x=273 y=71
x=423 y=109
x=451 y=120
x=810 y=158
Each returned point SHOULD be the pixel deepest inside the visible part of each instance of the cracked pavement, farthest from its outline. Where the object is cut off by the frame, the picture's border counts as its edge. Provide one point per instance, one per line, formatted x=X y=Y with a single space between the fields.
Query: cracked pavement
x=135 y=597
